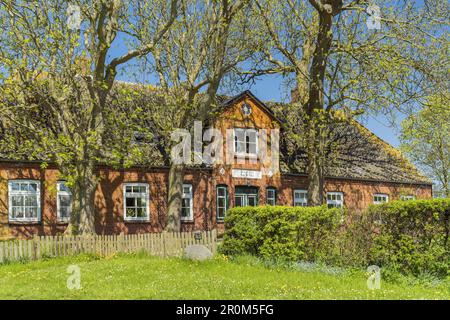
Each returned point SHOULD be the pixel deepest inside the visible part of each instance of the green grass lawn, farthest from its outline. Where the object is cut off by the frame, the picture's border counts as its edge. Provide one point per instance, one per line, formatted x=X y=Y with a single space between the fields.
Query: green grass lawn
x=144 y=277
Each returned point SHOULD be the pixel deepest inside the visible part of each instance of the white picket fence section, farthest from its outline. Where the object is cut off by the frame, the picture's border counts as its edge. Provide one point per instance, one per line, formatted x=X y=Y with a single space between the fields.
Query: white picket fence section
x=165 y=244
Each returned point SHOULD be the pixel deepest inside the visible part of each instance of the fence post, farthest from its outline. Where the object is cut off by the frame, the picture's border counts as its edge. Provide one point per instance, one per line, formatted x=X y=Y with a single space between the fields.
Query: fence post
x=35 y=247
x=214 y=240
x=120 y=243
x=164 y=234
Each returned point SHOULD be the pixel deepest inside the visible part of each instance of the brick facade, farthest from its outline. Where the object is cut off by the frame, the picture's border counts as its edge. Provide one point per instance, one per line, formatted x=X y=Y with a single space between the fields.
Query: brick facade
x=358 y=194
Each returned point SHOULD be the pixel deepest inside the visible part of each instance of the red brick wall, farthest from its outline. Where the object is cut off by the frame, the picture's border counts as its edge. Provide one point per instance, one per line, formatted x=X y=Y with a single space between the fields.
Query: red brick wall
x=109 y=197
x=358 y=194
x=47 y=178
x=108 y=200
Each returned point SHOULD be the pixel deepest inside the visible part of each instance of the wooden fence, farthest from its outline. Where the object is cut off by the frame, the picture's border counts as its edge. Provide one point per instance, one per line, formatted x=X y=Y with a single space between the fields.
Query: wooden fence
x=165 y=244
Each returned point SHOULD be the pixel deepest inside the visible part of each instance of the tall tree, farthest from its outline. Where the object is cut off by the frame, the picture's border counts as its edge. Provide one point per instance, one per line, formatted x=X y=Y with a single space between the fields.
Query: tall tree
x=57 y=78
x=425 y=140
x=204 y=46
x=338 y=63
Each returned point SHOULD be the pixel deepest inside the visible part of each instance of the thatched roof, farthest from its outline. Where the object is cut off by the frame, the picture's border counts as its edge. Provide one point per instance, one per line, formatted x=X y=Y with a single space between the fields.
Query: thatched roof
x=356 y=153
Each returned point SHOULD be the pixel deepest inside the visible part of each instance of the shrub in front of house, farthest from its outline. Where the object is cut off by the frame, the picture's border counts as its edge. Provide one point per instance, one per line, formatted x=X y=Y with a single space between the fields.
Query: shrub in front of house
x=281 y=232
x=411 y=236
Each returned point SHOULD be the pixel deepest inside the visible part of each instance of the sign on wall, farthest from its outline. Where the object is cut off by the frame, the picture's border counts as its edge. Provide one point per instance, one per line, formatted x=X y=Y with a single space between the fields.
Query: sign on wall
x=246 y=174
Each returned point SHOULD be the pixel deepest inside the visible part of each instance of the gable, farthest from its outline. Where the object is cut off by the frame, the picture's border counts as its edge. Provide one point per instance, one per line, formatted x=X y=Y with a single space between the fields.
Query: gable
x=231 y=114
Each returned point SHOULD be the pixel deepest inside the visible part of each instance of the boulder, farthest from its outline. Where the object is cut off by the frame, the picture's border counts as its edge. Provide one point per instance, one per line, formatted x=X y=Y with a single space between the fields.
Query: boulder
x=197 y=252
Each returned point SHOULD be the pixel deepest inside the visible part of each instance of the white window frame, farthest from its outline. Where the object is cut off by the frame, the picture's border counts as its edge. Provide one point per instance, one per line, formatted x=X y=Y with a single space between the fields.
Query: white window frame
x=147 y=201
x=408 y=197
x=336 y=203
x=299 y=202
x=60 y=192
x=274 y=198
x=225 y=201
x=12 y=193
x=245 y=153
x=191 y=203
x=383 y=195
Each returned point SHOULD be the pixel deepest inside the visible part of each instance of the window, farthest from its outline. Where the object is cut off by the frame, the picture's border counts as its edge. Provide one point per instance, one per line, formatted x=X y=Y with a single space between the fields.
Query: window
x=246 y=109
x=222 y=202
x=187 y=203
x=245 y=196
x=24 y=201
x=246 y=141
x=380 y=198
x=136 y=202
x=271 y=196
x=300 y=198
x=407 y=197
x=335 y=200
x=63 y=202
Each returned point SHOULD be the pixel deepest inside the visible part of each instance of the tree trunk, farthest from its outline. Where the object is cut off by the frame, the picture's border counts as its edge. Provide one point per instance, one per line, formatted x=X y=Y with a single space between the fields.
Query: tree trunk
x=446 y=186
x=315 y=112
x=82 y=219
x=445 y=180
x=315 y=165
x=174 y=198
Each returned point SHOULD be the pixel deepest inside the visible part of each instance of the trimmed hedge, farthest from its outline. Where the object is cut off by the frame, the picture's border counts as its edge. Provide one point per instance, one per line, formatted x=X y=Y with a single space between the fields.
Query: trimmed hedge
x=280 y=232
x=412 y=236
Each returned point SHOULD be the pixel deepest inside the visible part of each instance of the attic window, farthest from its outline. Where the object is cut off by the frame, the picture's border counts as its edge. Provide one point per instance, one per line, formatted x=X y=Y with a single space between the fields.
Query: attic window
x=246 y=109
x=245 y=142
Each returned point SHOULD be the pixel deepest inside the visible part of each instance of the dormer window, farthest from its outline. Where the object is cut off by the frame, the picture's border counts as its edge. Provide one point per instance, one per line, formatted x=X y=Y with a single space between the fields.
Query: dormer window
x=245 y=142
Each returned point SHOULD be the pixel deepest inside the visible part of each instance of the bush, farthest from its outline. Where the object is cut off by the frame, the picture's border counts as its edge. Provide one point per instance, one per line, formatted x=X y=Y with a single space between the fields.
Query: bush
x=352 y=242
x=281 y=233
x=408 y=237
x=411 y=236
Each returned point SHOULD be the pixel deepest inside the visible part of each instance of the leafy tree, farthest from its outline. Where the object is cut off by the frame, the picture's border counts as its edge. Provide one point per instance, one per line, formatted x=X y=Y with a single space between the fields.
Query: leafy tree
x=425 y=139
x=56 y=83
x=197 y=53
x=337 y=63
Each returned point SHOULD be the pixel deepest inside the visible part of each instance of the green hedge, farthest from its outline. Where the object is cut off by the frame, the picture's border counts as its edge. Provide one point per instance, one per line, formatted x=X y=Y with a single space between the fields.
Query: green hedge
x=411 y=236
x=279 y=232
